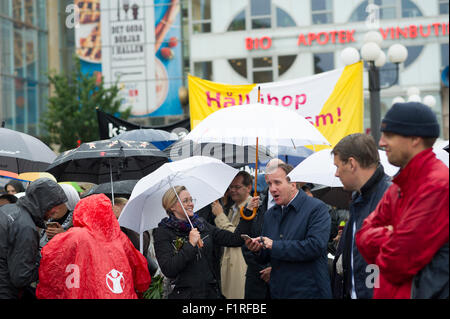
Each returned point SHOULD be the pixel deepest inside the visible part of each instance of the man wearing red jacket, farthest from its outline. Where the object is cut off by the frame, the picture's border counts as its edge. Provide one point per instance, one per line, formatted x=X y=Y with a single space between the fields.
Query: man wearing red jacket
x=92 y=260
x=409 y=228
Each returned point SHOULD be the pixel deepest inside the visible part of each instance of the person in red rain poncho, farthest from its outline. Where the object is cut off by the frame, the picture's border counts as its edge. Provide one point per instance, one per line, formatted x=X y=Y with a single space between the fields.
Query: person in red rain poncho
x=92 y=260
x=407 y=235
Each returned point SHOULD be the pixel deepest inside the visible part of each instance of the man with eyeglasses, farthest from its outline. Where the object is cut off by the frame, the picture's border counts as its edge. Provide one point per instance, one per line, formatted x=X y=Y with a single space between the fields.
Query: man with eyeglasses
x=233 y=265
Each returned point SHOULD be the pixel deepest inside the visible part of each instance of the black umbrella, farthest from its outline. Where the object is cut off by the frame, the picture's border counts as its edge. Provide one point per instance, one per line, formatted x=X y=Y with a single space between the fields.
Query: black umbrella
x=106 y=161
x=446 y=148
x=233 y=155
x=20 y=153
x=121 y=188
x=334 y=196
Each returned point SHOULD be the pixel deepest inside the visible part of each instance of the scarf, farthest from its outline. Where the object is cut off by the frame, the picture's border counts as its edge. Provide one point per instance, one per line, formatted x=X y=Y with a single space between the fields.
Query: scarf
x=183 y=225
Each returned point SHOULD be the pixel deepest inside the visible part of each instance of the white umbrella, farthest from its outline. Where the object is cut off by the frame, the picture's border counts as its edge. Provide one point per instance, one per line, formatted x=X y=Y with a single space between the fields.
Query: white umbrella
x=319 y=168
x=442 y=155
x=205 y=178
x=243 y=124
x=257 y=124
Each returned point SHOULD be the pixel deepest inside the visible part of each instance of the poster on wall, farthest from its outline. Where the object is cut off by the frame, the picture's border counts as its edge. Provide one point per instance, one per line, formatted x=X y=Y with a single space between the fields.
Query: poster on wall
x=88 y=36
x=142 y=53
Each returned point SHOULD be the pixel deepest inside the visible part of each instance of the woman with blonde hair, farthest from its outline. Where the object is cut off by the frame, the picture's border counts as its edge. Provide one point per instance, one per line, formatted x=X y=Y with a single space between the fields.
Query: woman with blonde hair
x=185 y=252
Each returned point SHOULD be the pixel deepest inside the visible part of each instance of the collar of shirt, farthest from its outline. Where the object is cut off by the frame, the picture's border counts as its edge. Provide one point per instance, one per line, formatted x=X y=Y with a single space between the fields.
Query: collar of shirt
x=282 y=207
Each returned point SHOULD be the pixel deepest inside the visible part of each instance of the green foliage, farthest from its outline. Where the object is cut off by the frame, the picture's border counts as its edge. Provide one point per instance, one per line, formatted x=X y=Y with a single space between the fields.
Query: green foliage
x=71 y=114
x=155 y=290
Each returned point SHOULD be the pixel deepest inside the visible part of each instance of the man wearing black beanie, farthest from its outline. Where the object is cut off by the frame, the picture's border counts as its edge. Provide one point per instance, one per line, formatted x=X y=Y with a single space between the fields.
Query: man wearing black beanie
x=407 y=235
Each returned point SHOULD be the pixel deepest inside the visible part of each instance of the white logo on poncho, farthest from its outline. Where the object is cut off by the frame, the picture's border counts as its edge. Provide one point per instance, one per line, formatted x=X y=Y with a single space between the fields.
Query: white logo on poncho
x=114 y=281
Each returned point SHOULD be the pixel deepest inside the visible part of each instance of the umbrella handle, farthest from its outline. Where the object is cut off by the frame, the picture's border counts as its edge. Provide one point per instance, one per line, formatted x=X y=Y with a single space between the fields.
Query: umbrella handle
x=255 y=193
x=253 y=215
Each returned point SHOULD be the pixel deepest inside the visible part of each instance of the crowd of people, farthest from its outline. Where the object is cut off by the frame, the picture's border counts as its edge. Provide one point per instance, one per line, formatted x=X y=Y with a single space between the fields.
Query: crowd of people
x=394 y=243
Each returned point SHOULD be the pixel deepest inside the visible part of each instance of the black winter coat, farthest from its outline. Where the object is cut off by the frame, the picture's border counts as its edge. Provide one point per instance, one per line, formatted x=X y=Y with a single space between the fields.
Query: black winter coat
x=19 y=238
x=361 y=206
x=255 y=287
x=191 y=268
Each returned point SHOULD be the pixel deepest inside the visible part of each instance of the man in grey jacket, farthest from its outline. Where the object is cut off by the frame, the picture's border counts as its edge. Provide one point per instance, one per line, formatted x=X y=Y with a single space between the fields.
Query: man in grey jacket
x=19 y=238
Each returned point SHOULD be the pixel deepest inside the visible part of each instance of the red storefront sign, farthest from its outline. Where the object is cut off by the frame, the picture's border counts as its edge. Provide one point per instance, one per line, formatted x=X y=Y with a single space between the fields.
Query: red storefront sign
x=347 y=36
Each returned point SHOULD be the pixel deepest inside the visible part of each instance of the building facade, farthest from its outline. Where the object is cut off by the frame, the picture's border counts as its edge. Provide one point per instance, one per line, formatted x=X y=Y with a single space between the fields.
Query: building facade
x=257 y=41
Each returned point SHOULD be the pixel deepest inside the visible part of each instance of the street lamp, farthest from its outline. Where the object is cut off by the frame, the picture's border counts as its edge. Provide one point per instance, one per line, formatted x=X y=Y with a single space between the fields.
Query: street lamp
x=375 y=57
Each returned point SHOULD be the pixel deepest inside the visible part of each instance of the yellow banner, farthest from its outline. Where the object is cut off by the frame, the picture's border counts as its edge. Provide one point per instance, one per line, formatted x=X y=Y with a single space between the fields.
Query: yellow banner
x=332 y=101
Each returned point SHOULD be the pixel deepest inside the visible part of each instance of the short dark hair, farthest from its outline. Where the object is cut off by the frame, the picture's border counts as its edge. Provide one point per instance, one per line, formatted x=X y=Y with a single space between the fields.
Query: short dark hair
x=428 y=142
x=246 y=178
x=361 y=147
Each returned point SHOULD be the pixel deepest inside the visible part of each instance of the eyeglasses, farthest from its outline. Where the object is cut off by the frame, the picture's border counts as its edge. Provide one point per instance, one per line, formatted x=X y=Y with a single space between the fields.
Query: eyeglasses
x=189 y=200
x=236 y=187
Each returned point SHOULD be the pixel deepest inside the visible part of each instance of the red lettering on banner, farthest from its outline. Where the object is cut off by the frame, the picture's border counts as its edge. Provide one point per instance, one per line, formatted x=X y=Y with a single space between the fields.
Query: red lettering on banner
x=268 y=43
x=300 y=100
x=311 y=37
x=404 y=33
x=333 y=36
x=350 y=35
x=421 y=31
x=209 y=99
x=383 y=34
x=393 y=34
x=322 y=42
x=436 y=28
x=301 y=40
x=341 y=36
x=270 y=99
x=412 y=31
x=249 y=43
x=444 y=28
x=286 y=100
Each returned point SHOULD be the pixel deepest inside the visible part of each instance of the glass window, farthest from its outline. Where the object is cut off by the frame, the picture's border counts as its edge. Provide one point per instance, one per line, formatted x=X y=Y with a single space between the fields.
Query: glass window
x=388 y=9
x=43 y=57
x=262 y=62
x=201 y=16
x=322 y=11
x=323 y=62
x=240 y=66
x=410 y=10
x=413 y=53
x=5 y=8
x=42 y=14
x=19 y=49
x=284 y=19
x=238 y=23
x=17 y=10
x=31 y=53
x=30 y=12
x=443 y=6
x=262 y=69
x=6 y=47
x=444 y=54
x=262 y=76
x=7 y=111
x=260 y=7
x=203 y=70
x=284 y=63
x=261 y=13
x=31 y=108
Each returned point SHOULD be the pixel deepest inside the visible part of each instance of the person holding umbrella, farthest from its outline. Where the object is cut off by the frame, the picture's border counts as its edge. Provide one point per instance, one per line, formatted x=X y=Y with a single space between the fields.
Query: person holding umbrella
x=184 y=244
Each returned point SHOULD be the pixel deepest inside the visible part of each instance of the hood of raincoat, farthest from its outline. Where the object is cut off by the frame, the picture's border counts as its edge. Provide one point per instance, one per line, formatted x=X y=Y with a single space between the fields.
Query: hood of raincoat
x=42 y=195
x=95 y=214
x=93 y=259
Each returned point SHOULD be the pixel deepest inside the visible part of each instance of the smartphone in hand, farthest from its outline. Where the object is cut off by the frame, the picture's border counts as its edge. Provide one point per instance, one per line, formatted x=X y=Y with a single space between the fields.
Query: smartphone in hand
x=245 y=237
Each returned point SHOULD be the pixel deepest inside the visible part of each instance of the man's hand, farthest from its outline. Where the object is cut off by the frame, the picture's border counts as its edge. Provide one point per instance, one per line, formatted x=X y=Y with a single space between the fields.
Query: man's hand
x=266 y=242
x=253 y=244
x=217 y=208
x=254 y=203
x=52 y=231
x=265 y=274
